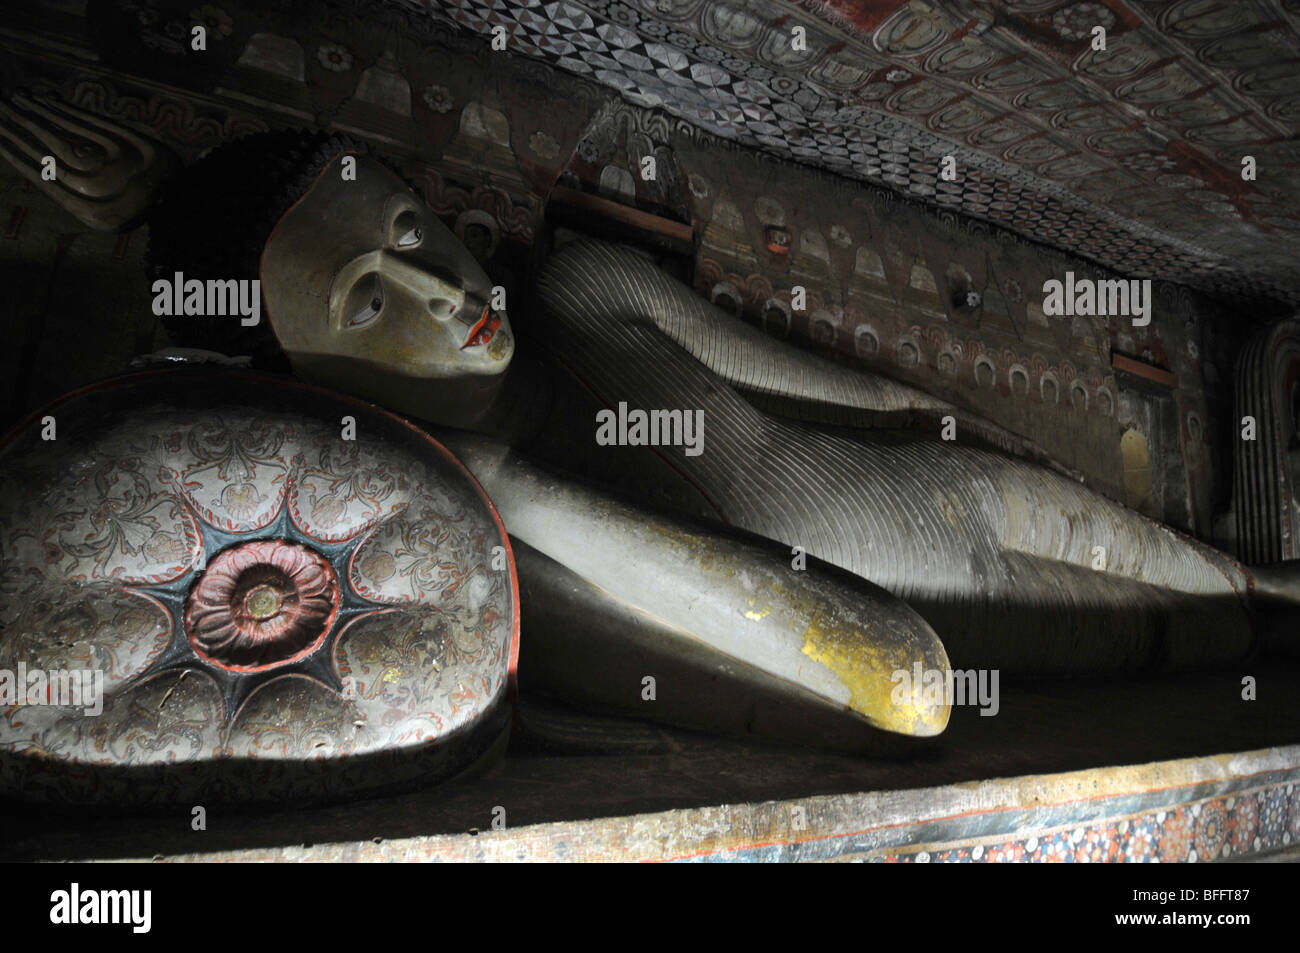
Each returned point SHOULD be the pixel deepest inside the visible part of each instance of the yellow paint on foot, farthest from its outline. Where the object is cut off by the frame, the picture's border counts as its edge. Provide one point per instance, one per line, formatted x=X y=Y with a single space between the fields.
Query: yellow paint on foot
x=865 y=670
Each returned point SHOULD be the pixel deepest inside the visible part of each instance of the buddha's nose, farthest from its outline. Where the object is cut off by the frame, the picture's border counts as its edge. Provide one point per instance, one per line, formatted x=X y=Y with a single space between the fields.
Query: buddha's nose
x=444 y=299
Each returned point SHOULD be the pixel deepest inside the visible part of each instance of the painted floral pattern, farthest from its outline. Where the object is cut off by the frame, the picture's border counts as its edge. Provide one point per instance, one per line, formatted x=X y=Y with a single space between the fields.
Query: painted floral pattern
x=1272 y=818
x=1211 y=831
x=1197 y=832
x=257 y=527
x=213 y=19
x=438 y=98
x=335 y=58
x=261 y=603
x=1175 y=839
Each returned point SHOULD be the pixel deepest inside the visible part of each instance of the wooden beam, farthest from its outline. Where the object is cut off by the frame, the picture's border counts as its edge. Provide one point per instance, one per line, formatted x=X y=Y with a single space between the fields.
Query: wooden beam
x=591 y=212
x=1142 y=369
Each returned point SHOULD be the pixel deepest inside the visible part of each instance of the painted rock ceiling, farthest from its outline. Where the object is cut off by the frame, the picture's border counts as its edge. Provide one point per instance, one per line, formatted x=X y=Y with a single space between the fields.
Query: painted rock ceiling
x=1131 y=156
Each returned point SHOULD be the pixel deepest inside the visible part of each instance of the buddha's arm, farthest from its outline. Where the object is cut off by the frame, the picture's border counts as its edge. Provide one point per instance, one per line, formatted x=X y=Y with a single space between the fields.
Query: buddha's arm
x=614 y=585
x=775 y=376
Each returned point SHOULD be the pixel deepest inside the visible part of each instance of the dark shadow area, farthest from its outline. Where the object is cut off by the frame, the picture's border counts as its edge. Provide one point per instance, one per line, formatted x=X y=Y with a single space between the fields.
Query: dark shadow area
x=566 y=766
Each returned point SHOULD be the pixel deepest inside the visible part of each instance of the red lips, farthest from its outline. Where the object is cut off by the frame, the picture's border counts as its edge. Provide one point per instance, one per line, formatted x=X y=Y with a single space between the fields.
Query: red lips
x=484 y=330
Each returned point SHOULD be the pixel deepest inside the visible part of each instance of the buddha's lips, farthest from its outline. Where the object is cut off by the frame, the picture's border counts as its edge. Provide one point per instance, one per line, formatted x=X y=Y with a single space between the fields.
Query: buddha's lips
x=483 y=330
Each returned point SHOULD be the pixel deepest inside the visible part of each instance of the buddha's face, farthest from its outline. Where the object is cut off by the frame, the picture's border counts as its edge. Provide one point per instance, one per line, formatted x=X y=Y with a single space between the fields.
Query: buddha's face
x=369 y=293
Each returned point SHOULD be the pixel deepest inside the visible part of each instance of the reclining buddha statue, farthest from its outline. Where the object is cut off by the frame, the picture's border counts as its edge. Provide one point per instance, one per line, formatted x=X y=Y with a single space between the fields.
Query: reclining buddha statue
x=772 y=576
x=995 y=550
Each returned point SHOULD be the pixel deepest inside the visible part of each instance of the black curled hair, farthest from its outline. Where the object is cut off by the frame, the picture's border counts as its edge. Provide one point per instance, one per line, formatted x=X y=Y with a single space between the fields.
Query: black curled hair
x=215 y=218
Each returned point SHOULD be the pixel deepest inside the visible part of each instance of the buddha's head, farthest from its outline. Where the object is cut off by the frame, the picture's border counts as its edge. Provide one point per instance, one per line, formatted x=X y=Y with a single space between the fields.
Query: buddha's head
x=364 y=289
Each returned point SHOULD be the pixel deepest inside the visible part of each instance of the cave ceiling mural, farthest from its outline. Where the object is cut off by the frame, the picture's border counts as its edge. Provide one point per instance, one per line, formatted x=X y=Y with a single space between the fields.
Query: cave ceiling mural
x=1131 y=156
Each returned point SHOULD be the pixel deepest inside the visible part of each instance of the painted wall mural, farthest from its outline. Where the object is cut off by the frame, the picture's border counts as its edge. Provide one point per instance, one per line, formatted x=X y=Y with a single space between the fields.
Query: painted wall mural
x=1131 y=154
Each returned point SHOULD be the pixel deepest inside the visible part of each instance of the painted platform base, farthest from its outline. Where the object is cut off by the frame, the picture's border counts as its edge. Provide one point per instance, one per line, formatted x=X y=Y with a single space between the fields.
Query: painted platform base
x=1223 y=808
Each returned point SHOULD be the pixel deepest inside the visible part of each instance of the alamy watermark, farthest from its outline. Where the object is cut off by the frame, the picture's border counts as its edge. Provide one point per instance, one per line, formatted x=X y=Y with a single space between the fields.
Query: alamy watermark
x=76 y=906
x=654 y=428
x=932 y=686
x=212 y=298
x=65 y=688
x=1088 y=298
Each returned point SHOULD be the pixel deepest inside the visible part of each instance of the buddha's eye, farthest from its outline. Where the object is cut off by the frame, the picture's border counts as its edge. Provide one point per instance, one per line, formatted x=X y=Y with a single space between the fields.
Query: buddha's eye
x=369 y=311
x=407 y=232
x=365 y=302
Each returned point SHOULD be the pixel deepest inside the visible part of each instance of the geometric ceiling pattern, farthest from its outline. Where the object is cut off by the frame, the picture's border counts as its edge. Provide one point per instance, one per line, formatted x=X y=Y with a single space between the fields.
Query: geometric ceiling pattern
x=1131 y=156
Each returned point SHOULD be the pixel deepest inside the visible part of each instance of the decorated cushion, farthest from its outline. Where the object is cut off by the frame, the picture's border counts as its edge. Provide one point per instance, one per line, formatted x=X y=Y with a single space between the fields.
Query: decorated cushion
x=218 y=587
